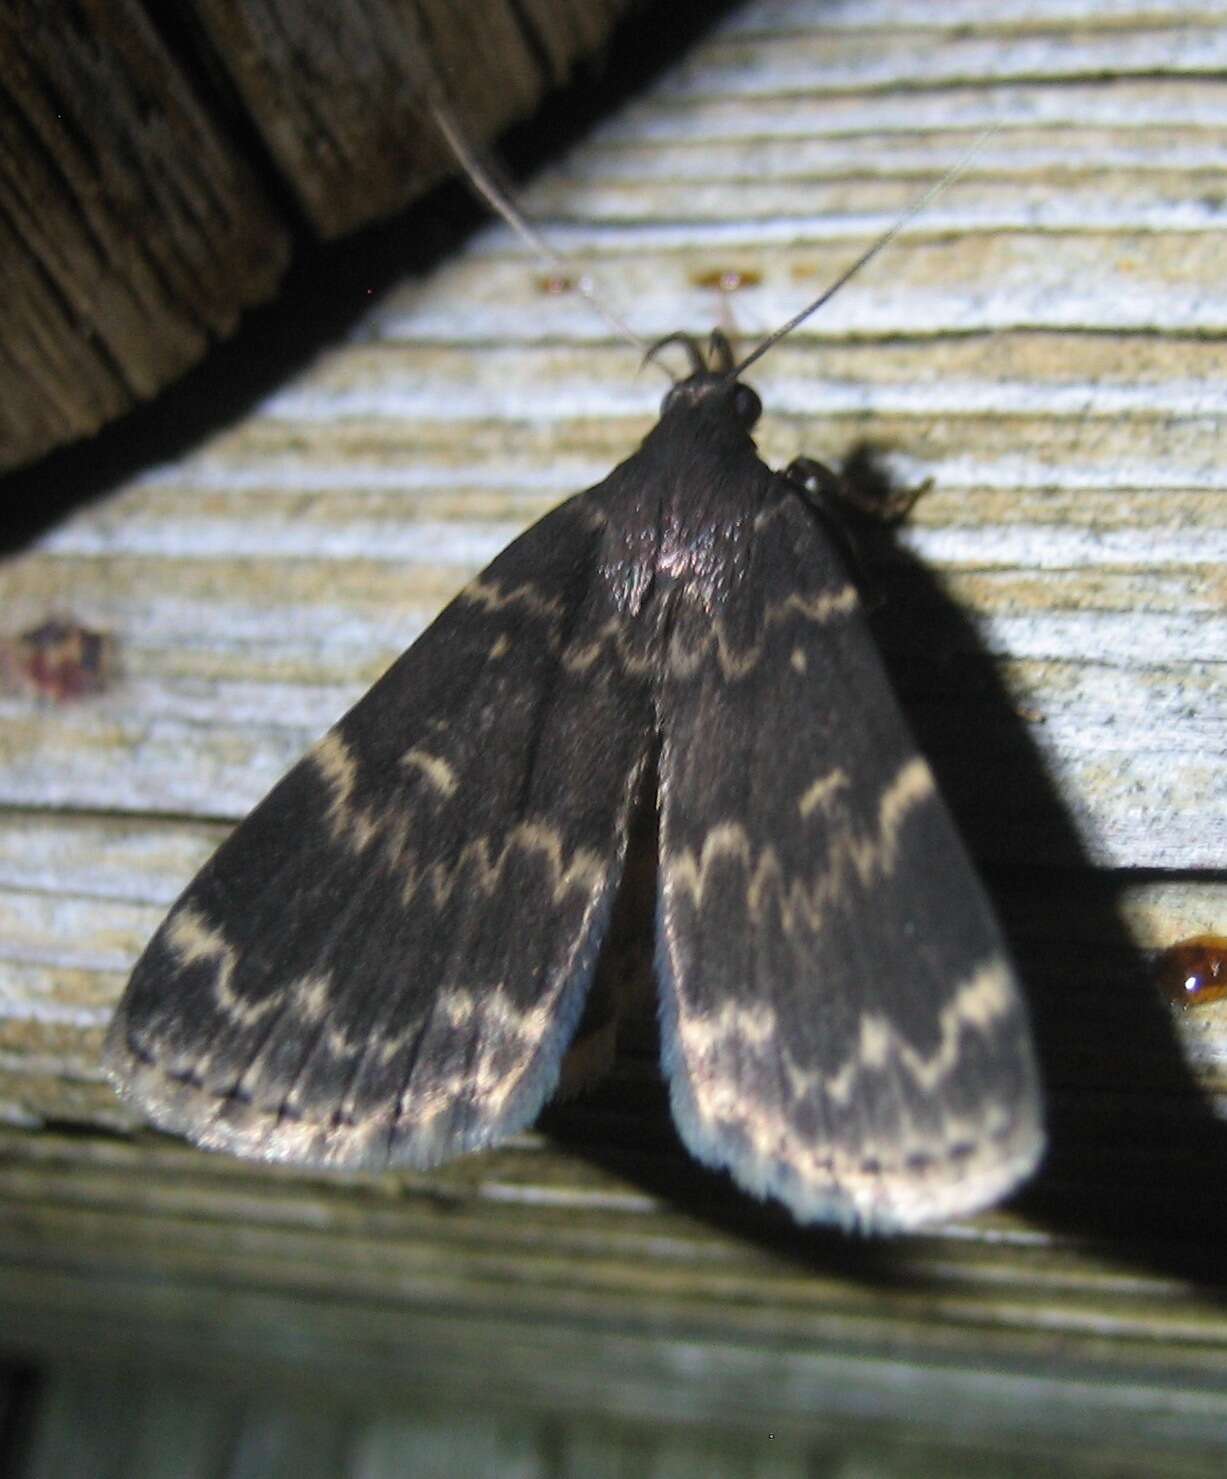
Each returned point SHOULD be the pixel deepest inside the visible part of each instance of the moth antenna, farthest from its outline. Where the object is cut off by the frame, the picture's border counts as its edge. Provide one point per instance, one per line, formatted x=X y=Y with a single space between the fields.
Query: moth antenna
x=499 y=200
x=868 y=254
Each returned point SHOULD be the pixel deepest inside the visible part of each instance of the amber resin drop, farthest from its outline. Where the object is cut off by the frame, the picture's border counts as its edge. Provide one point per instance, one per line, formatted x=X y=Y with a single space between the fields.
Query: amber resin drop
x=1193 y=972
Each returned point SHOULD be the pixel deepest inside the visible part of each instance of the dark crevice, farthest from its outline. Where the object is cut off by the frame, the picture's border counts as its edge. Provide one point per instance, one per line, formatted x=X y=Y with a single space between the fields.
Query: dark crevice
x=21 y=1390
x=191 y=47
x=534 y=42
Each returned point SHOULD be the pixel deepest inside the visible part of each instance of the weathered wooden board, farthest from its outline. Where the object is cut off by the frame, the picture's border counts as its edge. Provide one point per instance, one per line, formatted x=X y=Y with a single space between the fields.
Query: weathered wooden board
x=1046 y=345
x=132 y=232
x=157 y=164
x=339 y=93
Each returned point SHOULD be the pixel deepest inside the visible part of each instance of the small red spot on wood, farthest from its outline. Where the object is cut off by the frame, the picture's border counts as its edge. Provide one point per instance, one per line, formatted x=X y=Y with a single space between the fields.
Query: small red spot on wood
x=60 y=660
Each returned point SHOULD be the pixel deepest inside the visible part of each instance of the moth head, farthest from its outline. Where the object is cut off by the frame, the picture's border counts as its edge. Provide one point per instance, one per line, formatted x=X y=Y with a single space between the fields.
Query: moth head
x=712 y=379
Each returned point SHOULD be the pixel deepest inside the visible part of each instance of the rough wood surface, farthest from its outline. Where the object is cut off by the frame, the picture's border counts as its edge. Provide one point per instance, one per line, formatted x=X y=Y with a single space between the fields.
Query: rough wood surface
x=1046 y=345
x=131 y=232
x=337 y=92
x=155 y=167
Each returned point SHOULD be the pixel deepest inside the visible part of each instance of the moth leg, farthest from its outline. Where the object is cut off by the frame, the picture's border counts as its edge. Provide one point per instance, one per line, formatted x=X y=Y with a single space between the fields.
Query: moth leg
x=864 y=487
x=824 y=491
x=863 y=484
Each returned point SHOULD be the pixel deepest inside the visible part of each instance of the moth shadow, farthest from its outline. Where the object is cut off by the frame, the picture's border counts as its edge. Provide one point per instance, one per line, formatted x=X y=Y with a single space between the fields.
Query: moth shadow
x=1134 y=1148
x=625 y=1128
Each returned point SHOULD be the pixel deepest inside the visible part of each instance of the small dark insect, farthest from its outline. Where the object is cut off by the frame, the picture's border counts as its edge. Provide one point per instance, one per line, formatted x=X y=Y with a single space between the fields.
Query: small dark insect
x=1193 y=972
x=386 y=962
x=60 y=660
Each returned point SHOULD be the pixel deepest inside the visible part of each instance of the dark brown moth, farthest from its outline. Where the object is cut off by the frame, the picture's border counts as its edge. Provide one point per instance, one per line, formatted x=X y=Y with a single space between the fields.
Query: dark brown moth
x=384 y=965
x=386 y=961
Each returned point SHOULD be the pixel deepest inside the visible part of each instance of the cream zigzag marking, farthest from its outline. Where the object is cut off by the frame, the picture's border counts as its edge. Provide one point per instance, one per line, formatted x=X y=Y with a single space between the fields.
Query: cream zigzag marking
x=308 y=1001
x=504 y=1051
x=478 y=867
x=193 y=939
x=311 y=998
x=617 y=634
x=339 y=771
x=749 y=1037
x=707 y=1034
x=864 y=854
x=579 y=657
x=822 y=791
x=436 y=770
x=491 y=596
x=486 y=1080
x=493 y=1011
x=983 y=999
x=825 y=607
x=480 y=863
x=287 y=1131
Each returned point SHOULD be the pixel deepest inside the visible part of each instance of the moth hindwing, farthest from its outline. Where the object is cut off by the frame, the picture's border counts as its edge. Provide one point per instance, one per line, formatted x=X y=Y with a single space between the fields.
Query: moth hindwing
x=385 y=962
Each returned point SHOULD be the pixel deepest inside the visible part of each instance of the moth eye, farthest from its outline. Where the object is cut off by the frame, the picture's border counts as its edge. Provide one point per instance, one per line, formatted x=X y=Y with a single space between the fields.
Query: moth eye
x=746 y=406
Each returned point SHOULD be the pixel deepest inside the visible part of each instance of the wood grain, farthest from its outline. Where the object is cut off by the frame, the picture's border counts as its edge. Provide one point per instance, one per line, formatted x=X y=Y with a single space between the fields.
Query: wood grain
x=131 y=232
x=158 y=168
x=1046 y=345
x=339 y=94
